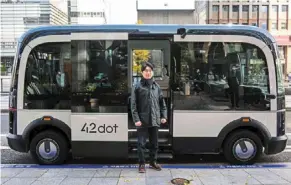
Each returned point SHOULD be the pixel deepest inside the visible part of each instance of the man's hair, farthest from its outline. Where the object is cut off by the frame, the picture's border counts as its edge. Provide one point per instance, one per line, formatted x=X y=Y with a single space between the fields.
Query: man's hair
x=147 y=64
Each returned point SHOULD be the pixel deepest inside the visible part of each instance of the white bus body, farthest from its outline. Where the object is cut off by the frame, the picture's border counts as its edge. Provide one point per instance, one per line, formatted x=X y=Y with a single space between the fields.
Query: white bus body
x=222 y=85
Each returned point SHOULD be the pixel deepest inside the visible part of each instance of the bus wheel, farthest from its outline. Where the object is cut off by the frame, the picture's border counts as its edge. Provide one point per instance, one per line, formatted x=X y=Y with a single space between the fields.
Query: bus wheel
x=242 y=148
x=49 y=147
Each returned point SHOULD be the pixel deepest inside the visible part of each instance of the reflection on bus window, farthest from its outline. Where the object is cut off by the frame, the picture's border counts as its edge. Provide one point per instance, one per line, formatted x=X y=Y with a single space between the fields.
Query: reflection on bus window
x=220 y=76
x=48 y=77
x=99 y=82
x=153 y=56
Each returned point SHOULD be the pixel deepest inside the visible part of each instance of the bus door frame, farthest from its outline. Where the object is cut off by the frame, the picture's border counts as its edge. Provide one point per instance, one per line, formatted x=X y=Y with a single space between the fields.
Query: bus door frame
x=152 y=43
x=109 y=145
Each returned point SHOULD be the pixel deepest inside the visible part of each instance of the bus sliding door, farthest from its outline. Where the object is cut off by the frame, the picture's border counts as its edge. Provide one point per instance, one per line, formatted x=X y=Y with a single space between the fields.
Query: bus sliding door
x=99 y=111
x=156 y=52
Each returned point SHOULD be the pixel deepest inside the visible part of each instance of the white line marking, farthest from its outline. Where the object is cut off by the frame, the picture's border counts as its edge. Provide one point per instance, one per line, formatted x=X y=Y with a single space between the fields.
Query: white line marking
x=288 y=135
x=5 y=148
x=288 y=146
x=3 y=135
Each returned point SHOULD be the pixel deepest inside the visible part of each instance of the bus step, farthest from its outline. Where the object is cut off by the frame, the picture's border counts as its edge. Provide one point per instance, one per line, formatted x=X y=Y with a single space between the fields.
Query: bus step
x=160 y=140
x=163 y=146
x=160 y=155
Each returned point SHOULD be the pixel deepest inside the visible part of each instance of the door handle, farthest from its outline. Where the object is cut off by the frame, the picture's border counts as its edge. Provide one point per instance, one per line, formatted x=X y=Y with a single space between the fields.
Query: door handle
x=270 y=96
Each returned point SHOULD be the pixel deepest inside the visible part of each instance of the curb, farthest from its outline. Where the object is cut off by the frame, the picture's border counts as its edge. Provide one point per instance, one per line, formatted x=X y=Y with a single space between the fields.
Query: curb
x=169 y=166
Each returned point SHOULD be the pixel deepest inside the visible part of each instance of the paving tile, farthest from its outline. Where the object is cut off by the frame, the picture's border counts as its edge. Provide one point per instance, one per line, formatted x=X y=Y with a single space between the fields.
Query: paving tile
x=32 y=173
x=20 y=181
x=75 y=181
x=57 y=173
x=238 y=177
x=48 y=181
x=183 y=173
x=3 y=180
x=131 y=173
x=233 y=172
x=10 y=172
x=100 y=173
x=163 y=173
x=88 y=173
x=104 y=181
x=131 y=181
x=241 y=180
x=265 y=176
x=113 y=173
x=284 y=173
x=207 y=173
x=214 y=180
x=158 y=180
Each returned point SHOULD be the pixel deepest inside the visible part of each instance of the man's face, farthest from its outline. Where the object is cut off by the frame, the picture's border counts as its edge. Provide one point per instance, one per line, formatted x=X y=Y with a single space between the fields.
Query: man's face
x=147 y=73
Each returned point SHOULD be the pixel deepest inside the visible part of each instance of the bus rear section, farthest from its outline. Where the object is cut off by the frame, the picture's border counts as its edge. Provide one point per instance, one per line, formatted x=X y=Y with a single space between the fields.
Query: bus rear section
x=73 y=94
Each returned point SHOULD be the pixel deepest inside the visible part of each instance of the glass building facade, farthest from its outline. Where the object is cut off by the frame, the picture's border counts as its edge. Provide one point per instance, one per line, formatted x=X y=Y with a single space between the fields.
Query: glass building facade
x=20 y=16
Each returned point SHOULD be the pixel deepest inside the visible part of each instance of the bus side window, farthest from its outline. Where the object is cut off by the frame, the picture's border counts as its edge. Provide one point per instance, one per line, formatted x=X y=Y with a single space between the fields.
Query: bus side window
x=221 y=76
x=47 y=77
x=100 y=76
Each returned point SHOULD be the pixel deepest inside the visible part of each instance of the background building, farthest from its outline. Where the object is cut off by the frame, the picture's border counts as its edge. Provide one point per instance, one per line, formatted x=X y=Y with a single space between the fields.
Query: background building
x=87 y=11
x=171 y=12
x=19 y=16
x=275 y=16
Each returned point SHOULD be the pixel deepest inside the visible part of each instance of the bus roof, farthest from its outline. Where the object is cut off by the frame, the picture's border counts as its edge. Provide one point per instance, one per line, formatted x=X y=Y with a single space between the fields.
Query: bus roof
x=156 y=28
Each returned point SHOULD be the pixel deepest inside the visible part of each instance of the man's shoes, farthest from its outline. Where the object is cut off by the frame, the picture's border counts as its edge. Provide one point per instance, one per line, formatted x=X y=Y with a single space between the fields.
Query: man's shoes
x=155 y=166
x=141 y=168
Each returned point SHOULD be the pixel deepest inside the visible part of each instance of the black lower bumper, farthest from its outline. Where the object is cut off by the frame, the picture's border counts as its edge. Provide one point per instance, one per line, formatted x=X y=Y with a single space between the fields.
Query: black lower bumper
x=276 y=145
x=16 y=143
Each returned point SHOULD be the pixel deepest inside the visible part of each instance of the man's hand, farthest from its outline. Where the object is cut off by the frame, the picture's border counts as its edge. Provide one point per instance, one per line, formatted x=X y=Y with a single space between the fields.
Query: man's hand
x=138 y=124
x=163 y=120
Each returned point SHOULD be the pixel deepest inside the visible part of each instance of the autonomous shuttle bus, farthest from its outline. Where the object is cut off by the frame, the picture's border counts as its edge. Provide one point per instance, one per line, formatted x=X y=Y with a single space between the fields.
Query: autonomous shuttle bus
x=71 y=86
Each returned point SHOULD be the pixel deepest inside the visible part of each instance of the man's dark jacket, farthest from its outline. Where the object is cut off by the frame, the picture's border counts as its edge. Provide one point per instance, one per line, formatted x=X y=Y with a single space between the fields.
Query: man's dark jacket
x=147 y=104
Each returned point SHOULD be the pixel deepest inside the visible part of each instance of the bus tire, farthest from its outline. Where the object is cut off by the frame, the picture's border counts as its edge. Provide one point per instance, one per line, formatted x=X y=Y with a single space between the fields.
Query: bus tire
x=239 y=141
x=55 y=144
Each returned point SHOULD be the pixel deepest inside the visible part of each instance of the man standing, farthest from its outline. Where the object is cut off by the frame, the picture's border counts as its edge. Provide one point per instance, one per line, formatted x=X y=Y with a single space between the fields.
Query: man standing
x=148 y=111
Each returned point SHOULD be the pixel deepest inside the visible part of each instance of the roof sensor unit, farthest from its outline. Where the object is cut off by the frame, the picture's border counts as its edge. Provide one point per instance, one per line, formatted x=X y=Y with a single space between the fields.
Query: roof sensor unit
x=182 y=32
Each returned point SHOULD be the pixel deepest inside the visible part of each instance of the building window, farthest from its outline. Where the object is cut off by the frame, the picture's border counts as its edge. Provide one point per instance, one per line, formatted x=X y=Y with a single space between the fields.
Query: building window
x=245 y=8
x=235 y=8
x=225 y=14
x=284 y=8
x=265 y=12
x=264 y=25
x=255 y=8
x=275 y=8
x=215 y=8
x=215 y=13
x=283 y=25
x=245 y=13
x=274 y=25
x=255 y=12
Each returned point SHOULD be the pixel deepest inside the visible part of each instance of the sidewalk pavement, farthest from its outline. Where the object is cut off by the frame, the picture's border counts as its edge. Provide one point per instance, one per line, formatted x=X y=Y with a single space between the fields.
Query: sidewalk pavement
x=94 y=175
